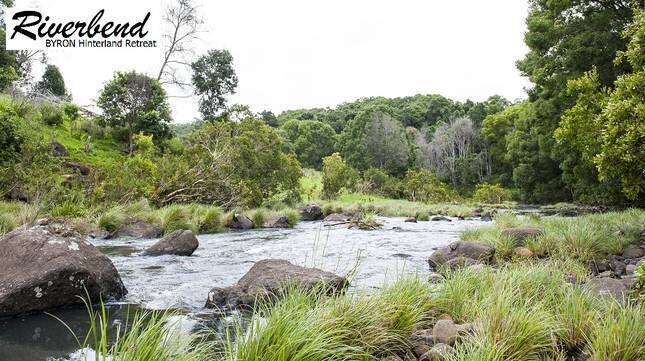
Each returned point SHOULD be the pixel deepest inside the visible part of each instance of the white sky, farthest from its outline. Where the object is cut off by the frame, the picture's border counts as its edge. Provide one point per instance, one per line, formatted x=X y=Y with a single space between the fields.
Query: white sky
x=301 y=54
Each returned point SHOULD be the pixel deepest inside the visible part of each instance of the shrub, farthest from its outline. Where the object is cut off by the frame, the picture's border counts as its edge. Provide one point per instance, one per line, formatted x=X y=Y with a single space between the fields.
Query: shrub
x=337 y=175
x=423 y=186
x=491 y=194
x=50 y=114
x=377 y=181
x=71 y=111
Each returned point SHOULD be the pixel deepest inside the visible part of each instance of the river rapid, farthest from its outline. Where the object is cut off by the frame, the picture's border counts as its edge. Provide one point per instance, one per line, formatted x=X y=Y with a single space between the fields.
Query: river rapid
x=182 y=283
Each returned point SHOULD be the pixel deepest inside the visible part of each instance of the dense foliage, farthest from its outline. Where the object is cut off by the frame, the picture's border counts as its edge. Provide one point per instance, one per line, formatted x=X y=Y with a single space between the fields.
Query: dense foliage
x=52 y=82
x=310 y=140
x=213 y=79
x=133 y=103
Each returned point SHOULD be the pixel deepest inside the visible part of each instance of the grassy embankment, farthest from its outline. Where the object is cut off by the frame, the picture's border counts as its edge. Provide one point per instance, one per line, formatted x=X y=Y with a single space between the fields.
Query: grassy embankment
x=211 y=219
x=523 y=309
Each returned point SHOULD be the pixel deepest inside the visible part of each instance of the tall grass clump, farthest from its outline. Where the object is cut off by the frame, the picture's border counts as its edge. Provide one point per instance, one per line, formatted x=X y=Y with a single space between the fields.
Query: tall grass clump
x=619 y=335
x=209 y=220
x=147 y=336
x=112 y=219
x=307 y=325
x=581 y=238
x=175 y=218
x=7 y=223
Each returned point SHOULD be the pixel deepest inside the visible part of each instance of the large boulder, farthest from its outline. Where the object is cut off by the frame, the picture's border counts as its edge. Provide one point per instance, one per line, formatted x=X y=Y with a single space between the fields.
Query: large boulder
x=239 y=221
x=50 y=265
x=267 y=278
x=605 y=287
x=461 y=250
x=277 y=222
x=519 y=235
x=180 y=243
x=59 y=150
x=311 y=212
x=136 y=228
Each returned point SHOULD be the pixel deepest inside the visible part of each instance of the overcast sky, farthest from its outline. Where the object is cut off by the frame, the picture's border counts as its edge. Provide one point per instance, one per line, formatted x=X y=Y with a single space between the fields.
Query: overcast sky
x=300 y=54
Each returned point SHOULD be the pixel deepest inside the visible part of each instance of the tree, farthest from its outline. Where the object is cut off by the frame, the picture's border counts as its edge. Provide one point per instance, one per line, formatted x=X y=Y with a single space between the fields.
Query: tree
x=607 y=125
x=269 y=118
x=495 y=131
x=374 y=139
x=9 y=67
x=566 y=39
x=231 y=165
x=183 y=24
x=52 y=82
x=455 y=153
x=214 y=79
x=337 y=175
x=136 y=103
x=310 y=140
x=423 y=186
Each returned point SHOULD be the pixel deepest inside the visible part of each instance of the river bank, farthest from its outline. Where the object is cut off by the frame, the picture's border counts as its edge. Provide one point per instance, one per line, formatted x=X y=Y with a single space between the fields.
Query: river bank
x=512 y=305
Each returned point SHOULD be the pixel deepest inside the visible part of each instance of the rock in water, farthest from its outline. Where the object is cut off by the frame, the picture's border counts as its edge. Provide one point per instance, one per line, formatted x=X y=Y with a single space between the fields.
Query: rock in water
x=239 y=221
x=474 y=251
x=47 y=266
x=277 y=222
x=338 y=217
x=440 y=219
x=135 y=228
x=267 y=278
x=311 y=212
x=180 y=243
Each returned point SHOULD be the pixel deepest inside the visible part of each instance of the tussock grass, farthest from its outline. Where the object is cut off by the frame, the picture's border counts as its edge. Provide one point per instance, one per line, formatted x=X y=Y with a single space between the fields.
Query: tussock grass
x=528 y=311
x=582 y=238
x=310 y=326
x=619 y=335
x=16 y=214
x=147 y=336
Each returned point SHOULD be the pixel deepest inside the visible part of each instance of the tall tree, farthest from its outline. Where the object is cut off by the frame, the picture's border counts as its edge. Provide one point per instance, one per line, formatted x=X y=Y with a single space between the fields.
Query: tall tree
x=310 y=140
x=607 y=126
x=183 y=22
x=214 y=79
x=52 y=82
x=9 y=67
x=566 y=39
x=136 y=103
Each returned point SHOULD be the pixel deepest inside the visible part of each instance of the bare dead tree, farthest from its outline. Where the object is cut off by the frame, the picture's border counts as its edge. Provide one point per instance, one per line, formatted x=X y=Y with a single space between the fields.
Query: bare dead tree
x=183 y=25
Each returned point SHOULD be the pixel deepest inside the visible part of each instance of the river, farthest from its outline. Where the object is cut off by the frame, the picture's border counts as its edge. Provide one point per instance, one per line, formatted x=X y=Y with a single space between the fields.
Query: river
x=172 y=282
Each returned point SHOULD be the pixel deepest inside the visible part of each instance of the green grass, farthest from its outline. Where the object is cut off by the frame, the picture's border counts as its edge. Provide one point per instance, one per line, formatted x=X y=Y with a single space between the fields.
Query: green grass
x=146 y=336
x=581 y=238
x=357 y=202
x=16 y=214
x=522 y=310
x=309 y=326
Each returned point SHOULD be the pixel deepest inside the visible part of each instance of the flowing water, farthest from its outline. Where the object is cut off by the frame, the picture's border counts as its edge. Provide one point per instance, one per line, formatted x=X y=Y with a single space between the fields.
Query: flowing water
x=373 y=257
